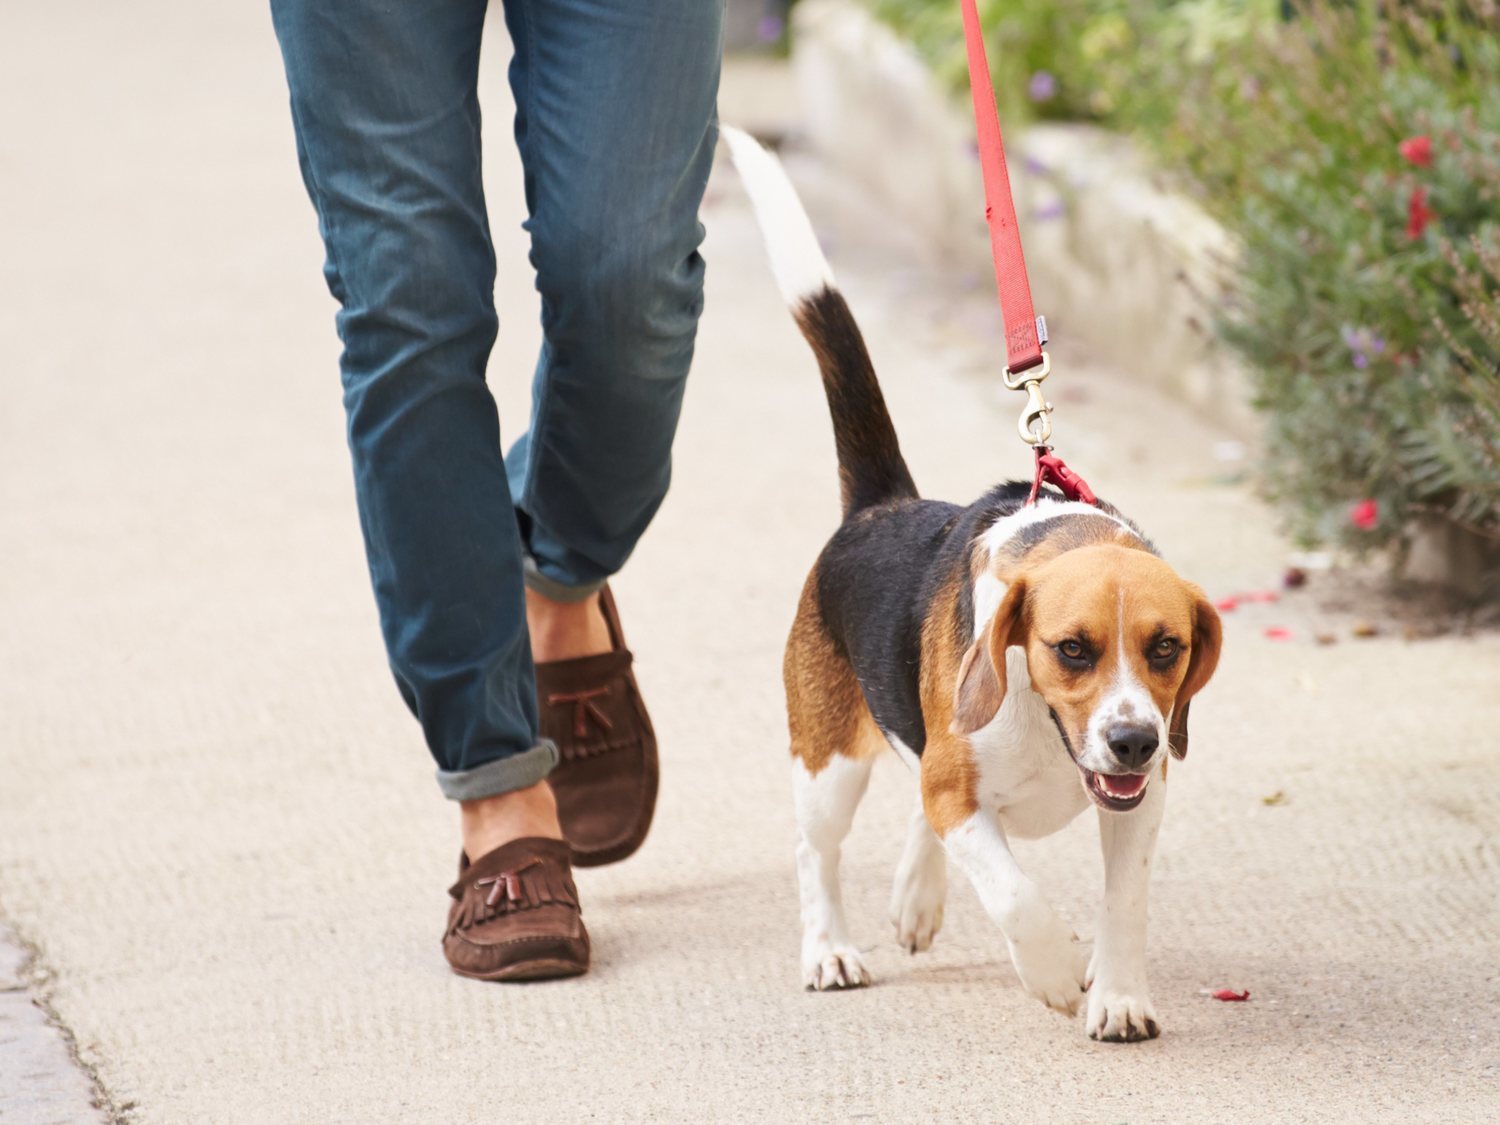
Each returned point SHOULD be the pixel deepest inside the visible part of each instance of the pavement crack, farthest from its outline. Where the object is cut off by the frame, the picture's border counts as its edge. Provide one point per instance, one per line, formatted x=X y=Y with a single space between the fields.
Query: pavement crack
x=31 y=975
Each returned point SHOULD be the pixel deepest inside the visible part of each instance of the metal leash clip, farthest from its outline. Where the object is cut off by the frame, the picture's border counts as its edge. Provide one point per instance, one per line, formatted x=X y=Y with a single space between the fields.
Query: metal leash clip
x=1035 y=424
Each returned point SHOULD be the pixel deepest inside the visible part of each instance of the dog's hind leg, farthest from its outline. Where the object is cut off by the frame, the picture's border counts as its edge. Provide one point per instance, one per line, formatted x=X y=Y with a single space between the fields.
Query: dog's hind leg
x=921 y=886
x=833 y=742
x=826 y=801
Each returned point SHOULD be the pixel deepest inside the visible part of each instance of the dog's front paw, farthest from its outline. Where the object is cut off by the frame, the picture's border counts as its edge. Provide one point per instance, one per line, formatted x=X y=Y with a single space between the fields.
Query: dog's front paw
x=828 y=966
x=917 y=905
x=1052 y=967
x=1117 y=1015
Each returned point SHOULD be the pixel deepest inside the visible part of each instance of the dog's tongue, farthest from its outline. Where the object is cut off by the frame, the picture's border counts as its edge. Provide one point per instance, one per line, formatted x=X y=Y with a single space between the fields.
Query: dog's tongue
x=1123 y=785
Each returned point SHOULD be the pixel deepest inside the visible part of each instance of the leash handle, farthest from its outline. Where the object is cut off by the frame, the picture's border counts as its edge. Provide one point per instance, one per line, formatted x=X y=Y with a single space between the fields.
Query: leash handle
x=1025 y=332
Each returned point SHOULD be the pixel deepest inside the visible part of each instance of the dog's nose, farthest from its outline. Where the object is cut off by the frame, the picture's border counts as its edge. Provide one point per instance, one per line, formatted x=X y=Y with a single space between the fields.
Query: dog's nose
x=1132 y=745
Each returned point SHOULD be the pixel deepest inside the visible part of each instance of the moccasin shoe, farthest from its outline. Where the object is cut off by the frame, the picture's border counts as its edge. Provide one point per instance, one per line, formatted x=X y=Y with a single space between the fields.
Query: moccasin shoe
x=606 y=777
x=515 y=915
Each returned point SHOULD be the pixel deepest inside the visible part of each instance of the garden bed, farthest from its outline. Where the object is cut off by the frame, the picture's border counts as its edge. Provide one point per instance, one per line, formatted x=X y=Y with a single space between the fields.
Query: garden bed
x=1323 y=254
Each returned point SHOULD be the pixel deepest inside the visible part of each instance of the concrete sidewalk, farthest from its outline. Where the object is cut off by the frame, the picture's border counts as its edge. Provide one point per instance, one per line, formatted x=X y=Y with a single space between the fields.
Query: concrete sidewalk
x=218 y=826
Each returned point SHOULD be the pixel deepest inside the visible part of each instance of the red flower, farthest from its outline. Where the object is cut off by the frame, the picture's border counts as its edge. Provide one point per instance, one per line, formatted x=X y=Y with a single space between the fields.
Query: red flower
x=1365 y=515
x=1418 y=214
x=1418 y=150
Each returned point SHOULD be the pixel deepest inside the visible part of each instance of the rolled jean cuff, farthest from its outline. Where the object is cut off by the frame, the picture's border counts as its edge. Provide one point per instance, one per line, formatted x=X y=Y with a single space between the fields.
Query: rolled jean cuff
x=532 y=575
x=503 y=775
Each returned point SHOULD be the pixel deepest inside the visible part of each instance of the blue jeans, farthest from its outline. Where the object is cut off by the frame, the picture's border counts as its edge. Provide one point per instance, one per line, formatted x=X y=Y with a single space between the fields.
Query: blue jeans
x=616 y=129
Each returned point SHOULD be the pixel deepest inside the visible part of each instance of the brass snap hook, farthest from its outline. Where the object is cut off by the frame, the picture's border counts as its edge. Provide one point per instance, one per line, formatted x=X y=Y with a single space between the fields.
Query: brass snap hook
x=1035 y=425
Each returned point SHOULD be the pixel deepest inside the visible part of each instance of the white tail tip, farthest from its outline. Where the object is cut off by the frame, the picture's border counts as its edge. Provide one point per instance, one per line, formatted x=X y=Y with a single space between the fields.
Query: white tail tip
x=796 y=257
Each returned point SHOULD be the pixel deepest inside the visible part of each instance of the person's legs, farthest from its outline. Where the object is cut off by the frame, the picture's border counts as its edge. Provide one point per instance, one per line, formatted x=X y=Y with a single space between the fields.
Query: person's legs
x=387 y=121
x=616 y=127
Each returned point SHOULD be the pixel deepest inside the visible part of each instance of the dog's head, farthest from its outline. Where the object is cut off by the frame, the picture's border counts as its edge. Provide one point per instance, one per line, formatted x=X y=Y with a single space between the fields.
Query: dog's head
x=1116 y=644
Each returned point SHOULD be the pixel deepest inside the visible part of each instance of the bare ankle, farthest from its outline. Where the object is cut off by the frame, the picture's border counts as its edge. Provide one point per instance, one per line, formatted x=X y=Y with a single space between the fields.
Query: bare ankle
x=565 y=630
x=489 y=822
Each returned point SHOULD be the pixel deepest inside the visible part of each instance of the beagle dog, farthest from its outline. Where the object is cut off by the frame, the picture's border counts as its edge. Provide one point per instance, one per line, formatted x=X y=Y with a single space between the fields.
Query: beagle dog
x=1025 y=661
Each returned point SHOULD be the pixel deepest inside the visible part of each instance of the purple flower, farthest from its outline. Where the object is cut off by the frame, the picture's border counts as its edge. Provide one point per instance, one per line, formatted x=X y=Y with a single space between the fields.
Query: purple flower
x=1042 y=86
x=1034 y=166
x=1362 y=344
x=1052 y=209
x=770 y=28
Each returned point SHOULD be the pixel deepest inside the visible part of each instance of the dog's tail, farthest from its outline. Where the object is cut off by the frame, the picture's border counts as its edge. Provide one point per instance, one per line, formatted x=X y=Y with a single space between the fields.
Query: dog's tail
x=871 y=469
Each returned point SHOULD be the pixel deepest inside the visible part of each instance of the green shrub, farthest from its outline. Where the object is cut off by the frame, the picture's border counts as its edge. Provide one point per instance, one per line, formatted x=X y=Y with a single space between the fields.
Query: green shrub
x=1355 y=150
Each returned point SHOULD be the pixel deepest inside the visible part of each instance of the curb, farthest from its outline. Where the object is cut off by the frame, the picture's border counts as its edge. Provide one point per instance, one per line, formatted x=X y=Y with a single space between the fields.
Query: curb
x=1115 y=261
x=41 y=1075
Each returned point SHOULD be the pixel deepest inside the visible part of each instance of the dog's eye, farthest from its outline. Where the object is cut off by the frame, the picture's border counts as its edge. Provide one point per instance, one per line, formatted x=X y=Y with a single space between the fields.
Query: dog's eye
x=1165 y=649
x=1073 y=652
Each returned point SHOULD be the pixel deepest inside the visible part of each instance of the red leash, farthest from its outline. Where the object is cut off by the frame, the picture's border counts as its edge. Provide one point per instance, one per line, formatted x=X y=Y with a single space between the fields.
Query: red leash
x=1026 y=364
x=1024 y=333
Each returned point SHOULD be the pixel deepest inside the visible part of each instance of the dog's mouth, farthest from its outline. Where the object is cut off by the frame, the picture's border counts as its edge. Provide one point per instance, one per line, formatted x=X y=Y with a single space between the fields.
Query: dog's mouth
x=1117 y=792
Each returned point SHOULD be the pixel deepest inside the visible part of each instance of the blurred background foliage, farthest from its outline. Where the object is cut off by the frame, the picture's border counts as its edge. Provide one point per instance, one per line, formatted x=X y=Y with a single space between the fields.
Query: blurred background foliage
x=1354 y=150
x=1112 y=61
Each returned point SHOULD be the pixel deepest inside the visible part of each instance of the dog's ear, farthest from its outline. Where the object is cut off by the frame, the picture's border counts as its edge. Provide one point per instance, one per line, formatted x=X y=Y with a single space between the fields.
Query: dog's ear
x=1203 y=658
x=981 y=673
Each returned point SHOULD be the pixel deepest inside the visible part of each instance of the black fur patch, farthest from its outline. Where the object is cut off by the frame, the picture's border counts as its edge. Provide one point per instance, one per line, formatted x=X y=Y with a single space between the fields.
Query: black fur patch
x=869 y=576
x=871 y=469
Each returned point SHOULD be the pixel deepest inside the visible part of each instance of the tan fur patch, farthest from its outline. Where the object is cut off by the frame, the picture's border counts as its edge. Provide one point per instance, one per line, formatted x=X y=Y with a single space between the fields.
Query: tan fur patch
x=950 y=782
x=825 y=710
x=950 y=777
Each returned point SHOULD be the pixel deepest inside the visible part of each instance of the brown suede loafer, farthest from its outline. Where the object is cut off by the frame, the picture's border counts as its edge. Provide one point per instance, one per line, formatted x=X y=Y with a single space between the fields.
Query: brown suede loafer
x=515 y=915
x=606 y=776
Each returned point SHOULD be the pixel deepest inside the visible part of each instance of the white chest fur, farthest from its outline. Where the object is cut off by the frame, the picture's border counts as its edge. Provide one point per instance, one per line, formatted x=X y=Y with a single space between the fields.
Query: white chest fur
x=1025 y=774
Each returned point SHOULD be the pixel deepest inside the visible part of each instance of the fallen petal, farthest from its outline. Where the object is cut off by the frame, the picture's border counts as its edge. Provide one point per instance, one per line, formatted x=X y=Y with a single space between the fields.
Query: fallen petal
x=1229 y=994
